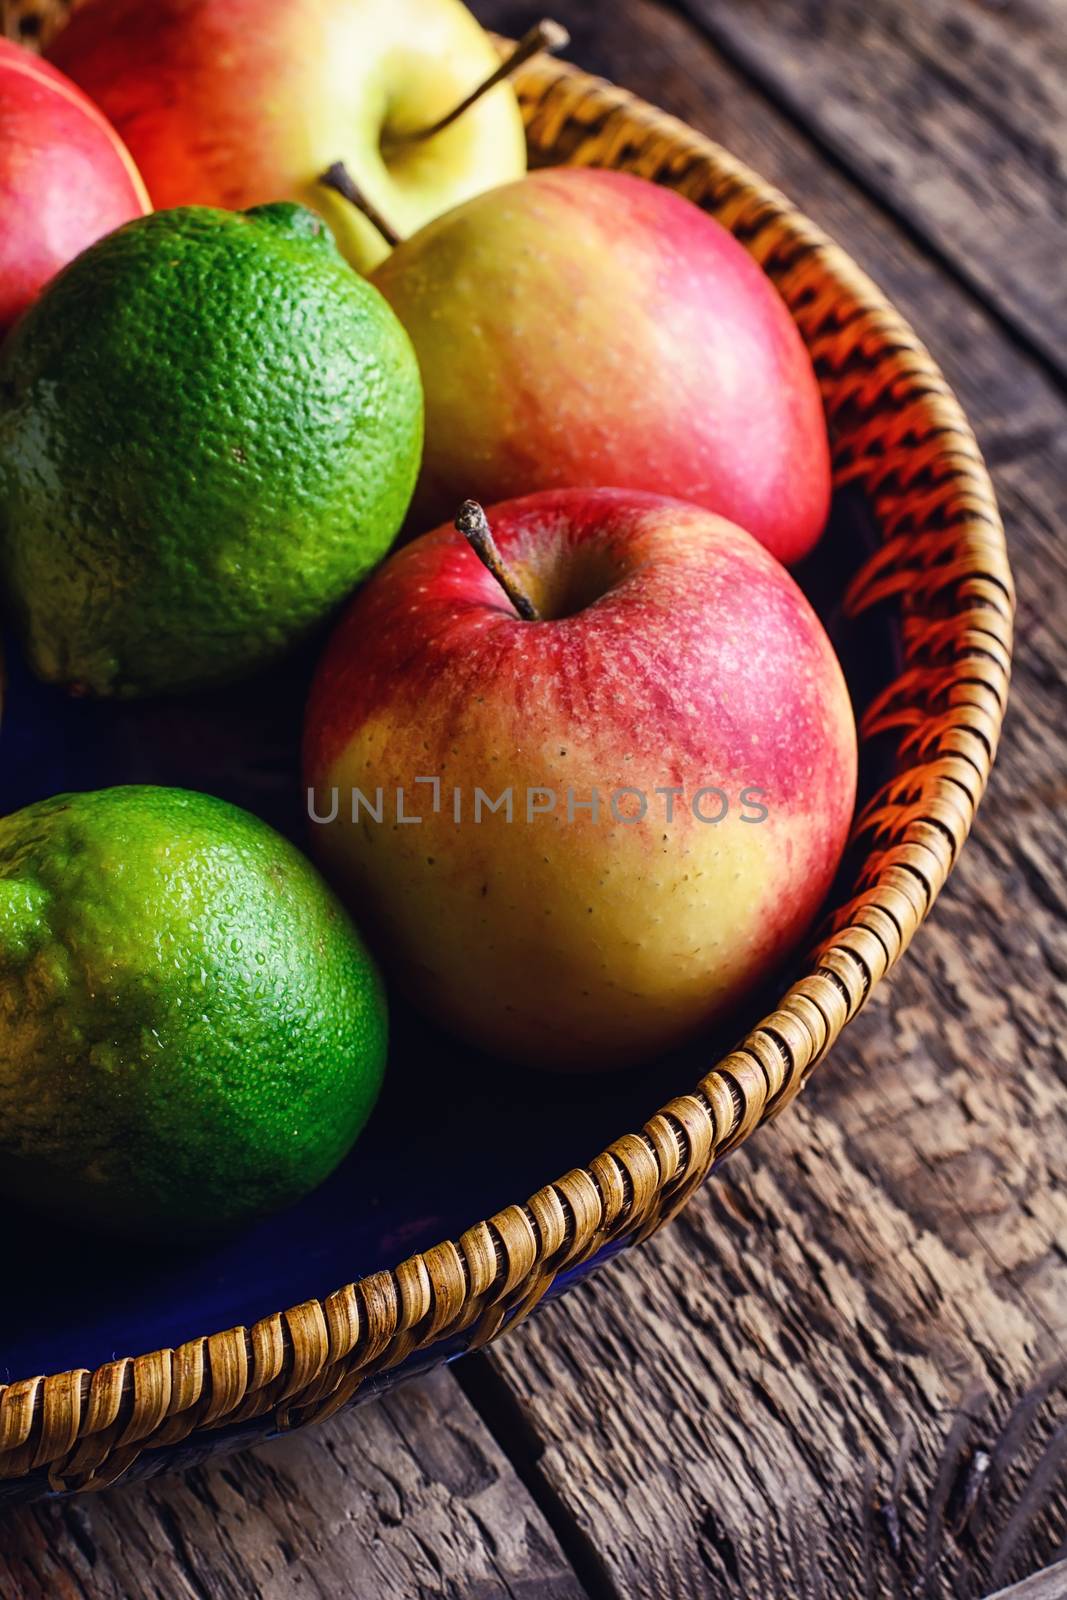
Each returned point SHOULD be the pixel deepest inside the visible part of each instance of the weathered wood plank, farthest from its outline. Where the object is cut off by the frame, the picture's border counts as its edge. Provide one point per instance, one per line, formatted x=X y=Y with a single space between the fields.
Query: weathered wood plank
x=405 y=1498
x=1048 y=1585
x=952 y=111
x=799 y=1388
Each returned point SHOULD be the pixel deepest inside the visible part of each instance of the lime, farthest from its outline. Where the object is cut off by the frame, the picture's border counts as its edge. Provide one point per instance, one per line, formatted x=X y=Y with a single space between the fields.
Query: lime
x=210 y=429
x=191 y=1032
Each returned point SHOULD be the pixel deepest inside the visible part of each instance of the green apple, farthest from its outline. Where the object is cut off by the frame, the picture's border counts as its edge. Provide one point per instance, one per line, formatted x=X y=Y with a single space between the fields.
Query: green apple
x=234 y=103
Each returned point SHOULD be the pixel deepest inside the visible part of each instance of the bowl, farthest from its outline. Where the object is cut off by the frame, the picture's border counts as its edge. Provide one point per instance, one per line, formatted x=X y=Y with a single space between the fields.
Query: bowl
x=913 y=583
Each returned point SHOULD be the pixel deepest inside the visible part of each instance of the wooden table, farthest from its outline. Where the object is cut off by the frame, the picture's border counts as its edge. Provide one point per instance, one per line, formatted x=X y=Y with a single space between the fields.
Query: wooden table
x=841 y=1373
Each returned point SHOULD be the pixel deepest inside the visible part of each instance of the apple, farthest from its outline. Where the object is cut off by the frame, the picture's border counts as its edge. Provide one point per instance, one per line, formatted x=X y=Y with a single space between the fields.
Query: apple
x=65 y=177
x=658 y=699
x=235 y=102
x=581 y=328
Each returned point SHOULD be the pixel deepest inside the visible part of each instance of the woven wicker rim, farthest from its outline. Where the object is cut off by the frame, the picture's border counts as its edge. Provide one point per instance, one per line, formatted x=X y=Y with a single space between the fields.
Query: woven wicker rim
x=901 y=436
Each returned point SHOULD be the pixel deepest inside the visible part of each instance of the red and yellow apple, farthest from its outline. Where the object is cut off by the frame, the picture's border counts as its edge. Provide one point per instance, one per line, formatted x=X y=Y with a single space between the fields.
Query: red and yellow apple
x=236 y=102
x=581 y=328
x=677 y=741
x=66 y=178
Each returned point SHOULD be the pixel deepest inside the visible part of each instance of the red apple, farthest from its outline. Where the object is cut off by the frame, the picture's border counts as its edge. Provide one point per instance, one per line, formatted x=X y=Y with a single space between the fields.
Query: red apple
x=66 y=178
x=580 y=328
x=237 y=102
x=677 y=671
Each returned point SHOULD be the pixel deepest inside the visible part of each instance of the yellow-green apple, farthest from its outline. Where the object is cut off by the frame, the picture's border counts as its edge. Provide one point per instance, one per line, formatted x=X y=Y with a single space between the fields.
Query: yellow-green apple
x=581 y=328
x=236 y=102
x=65 y=177
x=591 y=797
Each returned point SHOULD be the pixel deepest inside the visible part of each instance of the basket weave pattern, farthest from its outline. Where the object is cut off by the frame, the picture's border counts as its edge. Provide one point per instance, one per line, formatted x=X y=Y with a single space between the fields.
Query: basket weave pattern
x=899 y=434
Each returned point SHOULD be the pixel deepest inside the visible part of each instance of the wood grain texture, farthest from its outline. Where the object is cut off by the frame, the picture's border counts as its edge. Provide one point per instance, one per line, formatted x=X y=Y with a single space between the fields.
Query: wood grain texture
x=953 y=111
x=844 y=1322
x=407 y=1497
x=1048 y=1585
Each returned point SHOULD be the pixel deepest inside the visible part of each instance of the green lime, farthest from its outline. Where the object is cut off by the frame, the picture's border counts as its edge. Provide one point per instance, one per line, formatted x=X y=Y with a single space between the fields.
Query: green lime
x=210 y=429
x=191 y=1032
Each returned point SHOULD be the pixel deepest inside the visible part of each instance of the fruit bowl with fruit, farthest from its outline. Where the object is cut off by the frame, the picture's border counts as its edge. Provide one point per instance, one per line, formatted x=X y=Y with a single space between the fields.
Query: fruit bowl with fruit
x=578 y=763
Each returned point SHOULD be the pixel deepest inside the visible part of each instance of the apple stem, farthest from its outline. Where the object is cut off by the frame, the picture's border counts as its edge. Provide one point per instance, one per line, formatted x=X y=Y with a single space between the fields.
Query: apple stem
x=544 y=35
x=473 y=524
x=338 y=177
